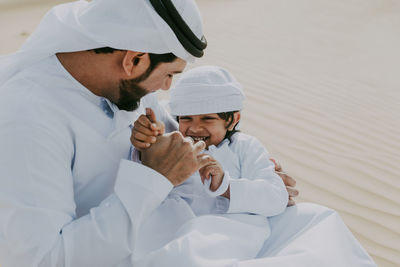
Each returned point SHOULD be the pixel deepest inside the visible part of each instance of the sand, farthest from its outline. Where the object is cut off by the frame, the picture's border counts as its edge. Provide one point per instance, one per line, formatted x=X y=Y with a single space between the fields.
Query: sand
x=322 y=87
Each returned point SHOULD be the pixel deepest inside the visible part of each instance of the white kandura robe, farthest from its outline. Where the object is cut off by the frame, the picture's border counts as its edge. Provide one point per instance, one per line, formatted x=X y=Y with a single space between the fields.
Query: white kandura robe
x=69 y=197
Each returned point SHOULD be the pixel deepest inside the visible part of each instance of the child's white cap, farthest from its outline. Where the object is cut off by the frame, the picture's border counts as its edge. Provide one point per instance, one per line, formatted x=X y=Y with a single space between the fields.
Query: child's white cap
x=204 y=90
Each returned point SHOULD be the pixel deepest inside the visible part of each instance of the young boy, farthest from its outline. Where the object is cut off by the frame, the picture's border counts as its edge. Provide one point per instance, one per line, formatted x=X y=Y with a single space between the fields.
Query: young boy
x=241 y=179
x=239 y=184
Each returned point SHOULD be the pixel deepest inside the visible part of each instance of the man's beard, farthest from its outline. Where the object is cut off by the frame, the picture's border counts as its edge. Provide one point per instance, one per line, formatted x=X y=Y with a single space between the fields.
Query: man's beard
x=130 y=92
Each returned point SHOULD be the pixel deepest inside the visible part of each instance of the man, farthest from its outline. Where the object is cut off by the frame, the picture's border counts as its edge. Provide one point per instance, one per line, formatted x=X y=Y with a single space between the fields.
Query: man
x=68 y=194
x=66 y=200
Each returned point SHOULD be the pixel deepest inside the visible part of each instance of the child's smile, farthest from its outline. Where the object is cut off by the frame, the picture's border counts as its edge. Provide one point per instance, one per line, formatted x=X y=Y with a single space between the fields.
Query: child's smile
x=199 y=138
x=209 y=128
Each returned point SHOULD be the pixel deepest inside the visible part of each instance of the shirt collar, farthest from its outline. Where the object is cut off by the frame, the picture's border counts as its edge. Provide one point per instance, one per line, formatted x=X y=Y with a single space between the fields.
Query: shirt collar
x=107 y=107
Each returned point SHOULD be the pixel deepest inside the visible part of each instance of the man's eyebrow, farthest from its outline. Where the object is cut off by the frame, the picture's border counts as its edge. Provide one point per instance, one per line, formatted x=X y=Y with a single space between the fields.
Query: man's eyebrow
x=177 y=71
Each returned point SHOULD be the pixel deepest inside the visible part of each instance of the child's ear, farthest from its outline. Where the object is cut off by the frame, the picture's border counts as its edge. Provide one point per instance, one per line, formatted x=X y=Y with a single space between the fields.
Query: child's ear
x=135 y=63
x=236 y=119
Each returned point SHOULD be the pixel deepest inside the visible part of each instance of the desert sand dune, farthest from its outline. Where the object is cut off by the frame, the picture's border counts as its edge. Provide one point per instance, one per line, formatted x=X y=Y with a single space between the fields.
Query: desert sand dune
x=322 y=87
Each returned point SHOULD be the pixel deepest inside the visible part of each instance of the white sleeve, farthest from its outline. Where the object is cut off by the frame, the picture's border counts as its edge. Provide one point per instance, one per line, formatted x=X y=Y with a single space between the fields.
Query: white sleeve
x=259 y=190
x=38 y=224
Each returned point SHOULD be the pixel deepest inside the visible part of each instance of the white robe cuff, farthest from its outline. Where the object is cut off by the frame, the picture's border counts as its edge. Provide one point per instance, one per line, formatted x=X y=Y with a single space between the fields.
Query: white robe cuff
x=140 y=189
x=221 y=189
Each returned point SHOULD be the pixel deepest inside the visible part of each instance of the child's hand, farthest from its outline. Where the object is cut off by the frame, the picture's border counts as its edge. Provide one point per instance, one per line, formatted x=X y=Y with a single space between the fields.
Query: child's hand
x=145 y=130
x=213 y=170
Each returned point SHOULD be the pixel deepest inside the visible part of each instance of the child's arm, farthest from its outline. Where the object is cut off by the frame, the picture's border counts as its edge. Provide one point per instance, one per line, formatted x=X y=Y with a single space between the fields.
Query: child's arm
x=259 y=190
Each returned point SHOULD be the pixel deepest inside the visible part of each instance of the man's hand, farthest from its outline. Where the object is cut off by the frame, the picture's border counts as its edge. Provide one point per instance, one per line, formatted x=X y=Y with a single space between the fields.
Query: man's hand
x=289 y=182
x=175 y=157
x=145 y=130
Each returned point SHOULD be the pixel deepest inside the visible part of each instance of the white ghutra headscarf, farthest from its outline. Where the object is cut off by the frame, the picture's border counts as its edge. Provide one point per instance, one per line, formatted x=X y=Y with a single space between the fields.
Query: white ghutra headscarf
x=120 y=24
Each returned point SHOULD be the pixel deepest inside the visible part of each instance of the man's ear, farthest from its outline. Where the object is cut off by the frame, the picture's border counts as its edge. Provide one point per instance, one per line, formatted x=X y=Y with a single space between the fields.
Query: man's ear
x=236 y=119
x=135 y=63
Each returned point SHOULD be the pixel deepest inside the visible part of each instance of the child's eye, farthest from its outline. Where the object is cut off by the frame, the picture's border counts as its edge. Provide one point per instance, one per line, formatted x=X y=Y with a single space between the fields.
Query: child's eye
x=209 y=118
x=185 y=118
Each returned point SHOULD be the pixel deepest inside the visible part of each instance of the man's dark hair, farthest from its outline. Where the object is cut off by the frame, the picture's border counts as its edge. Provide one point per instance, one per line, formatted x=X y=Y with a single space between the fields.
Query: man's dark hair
x=226 y=116
x=155 y=59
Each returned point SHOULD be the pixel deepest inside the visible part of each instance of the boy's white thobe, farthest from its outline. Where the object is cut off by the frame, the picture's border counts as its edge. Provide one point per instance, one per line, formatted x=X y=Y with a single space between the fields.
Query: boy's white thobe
x=255 y=188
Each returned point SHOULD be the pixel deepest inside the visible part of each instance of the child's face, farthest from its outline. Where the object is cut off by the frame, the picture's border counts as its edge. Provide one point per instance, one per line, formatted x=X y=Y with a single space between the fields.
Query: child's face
x=207 y=127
